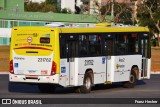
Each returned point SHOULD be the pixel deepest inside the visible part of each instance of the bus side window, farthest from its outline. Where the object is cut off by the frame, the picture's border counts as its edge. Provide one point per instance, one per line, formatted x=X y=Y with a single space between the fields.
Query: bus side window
x=94 y=45
x=83 y=45
x=62 y=47
x=132 y=43
x=120 y=43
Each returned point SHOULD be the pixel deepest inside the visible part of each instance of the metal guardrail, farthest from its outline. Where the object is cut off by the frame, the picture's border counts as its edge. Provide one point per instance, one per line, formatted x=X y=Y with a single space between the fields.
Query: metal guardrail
x=4 y=41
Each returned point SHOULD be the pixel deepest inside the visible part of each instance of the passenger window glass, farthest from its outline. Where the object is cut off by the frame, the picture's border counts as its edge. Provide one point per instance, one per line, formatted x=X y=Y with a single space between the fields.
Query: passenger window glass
x=94 y=45
x=83 y=45
x=62 y=47
x=120 y=43
x=132 y=43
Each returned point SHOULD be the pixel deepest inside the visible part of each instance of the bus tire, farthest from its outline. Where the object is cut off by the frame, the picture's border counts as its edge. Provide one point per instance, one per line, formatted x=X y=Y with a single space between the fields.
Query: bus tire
x=87 y=83
x=132 y=81
x=46 y=88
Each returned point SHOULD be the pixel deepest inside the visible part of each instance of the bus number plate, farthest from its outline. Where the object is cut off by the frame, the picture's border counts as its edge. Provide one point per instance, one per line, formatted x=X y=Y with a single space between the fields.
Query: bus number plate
x=44 y=59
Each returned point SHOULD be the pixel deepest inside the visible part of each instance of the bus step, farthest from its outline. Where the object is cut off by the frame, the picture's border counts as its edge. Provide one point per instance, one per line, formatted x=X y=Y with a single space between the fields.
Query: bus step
x=107 y=82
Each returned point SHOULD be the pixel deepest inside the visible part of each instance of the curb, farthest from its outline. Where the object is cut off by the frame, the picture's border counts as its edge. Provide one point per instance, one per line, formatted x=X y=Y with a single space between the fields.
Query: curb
x=153 y=72
x=4 y=72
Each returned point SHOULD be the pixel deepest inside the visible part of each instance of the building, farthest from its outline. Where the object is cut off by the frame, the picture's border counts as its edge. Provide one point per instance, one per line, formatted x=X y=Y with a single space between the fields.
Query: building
x=93 y=6
x=71 y=4
x=63 y=4
x=12 y=14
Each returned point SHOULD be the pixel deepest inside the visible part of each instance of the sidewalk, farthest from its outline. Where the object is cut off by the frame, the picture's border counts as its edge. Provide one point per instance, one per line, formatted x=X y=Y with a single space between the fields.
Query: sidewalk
x=155 y=72
x=157 y=47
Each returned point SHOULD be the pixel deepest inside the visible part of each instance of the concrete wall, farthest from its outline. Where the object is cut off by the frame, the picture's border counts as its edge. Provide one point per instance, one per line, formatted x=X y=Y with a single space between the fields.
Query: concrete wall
x=14 y=5
x=53 y=17
x=2 y=4
x=5 y=36
x=5 y=32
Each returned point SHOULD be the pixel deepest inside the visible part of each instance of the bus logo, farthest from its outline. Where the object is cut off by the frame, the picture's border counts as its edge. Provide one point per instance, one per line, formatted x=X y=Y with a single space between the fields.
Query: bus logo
x=29 y=39
x=120 y=66
x=6 y=101
x=117 y=66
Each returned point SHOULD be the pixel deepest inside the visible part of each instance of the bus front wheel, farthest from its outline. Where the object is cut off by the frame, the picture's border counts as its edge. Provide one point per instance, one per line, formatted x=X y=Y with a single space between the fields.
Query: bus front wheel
x=132 y=81
x=87 y=84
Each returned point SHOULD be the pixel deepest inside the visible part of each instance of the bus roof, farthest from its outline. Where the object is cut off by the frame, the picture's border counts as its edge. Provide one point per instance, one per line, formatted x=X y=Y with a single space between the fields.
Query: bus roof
x=104 y=29
x=86 y=29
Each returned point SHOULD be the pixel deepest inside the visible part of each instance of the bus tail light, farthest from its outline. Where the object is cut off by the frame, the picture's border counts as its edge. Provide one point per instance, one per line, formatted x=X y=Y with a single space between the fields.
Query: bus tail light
x=53 y=70
x=11 y=67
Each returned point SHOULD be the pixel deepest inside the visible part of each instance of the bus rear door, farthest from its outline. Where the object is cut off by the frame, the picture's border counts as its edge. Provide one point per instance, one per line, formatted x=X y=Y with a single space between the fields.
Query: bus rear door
x=108 y=52
x=146 y=60
x=72 y=53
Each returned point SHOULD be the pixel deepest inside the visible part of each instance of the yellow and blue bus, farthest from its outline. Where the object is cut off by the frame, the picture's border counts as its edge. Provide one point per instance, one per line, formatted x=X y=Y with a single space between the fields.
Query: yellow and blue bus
x=79 y=57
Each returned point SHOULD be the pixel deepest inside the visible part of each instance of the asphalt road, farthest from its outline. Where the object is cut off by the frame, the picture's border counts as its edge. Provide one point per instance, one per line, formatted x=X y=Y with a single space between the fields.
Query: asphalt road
x=143 y=89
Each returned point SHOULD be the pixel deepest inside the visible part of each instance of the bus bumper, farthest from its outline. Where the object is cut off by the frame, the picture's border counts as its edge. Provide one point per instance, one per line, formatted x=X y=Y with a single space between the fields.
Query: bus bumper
x=34 y=79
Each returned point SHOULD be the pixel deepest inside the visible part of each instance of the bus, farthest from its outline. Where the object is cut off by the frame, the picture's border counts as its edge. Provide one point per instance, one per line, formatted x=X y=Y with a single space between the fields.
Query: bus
x=53 y=57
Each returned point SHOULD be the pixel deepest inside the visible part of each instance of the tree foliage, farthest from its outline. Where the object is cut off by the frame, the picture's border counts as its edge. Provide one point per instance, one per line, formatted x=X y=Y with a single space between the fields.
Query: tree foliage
x=51 y=1
x=148 y=14
x=66 y=10
x=122 y=12
x=46 y=6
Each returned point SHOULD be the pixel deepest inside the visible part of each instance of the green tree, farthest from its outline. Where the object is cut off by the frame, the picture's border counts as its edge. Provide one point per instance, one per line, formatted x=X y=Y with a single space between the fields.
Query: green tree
x=32 y=7
x=51 y=1
x=66 y=10
x=122 y=12
x=40 y=7
x=148 y=14
x=48 y=7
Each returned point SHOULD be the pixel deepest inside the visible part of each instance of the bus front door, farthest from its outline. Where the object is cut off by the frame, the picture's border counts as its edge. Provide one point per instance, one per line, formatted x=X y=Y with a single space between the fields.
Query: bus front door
x=145 y=50
x=72 y=53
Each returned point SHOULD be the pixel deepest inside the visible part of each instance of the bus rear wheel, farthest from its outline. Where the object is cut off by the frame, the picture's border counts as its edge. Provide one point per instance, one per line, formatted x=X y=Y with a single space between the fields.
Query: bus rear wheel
x=46 y=88
x=132 y=81
x=87 y=84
